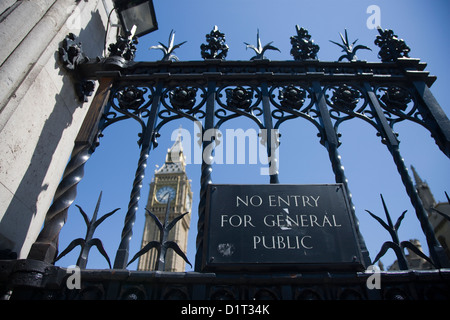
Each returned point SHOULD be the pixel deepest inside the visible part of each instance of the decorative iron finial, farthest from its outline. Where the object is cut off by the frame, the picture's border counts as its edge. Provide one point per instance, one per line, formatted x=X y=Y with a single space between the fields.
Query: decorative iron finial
x=125 y=47
x=303 y=47
x=88 y=241
x=350 y=51
x=71 y=55
x=259 y=50
x=169 y=50
x=215 y=47
x=163 y=244
x=391 y=47
x=395 y=244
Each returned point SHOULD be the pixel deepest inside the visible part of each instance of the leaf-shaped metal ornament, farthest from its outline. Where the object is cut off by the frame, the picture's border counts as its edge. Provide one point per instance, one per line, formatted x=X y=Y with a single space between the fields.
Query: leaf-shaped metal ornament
x=145 y=249
x=395 y=243
x=413 y=248
x=169 y=50
x=398 y=252
x=384 y=224
x=348 y=48
x=155 y=218
x=70 y=247
x=174 y=246
x=99 y=245
x=85 y=216
x=89 y=241
x=399 y=220
x=259 y=49
x=175 y=220
x=163 y=244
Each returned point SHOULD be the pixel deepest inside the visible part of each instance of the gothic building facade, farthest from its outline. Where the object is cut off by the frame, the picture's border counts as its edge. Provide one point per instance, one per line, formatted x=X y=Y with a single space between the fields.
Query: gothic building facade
x=436 y=215
x=437 y=212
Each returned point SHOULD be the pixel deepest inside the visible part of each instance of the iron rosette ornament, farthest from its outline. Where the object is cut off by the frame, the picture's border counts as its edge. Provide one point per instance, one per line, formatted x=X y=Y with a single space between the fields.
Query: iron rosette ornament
x=398 y=104
x=345 y=98
x=292 y=97
x=182 y=102
x=131 y=98
x=183 y=97
x=130 y=102
x=240 y=100
x=294 y=101
x=348 y=101
x=395 y=98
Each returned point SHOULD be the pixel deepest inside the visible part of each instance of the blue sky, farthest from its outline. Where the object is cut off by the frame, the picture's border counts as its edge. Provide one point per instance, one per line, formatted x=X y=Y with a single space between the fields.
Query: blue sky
x=368 y=165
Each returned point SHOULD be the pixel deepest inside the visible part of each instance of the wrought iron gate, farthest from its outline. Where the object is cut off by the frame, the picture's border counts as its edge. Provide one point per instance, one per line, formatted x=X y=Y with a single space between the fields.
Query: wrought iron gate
x=212 y=92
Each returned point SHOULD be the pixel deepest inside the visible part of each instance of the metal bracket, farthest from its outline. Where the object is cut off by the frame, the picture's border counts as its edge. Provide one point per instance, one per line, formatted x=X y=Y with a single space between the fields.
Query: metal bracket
x=71 y=56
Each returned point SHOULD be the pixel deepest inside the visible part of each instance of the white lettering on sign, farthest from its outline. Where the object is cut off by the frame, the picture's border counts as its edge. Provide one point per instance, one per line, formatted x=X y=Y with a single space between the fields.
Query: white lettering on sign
x=279 y=201
x=282 y=242
x=285 y=219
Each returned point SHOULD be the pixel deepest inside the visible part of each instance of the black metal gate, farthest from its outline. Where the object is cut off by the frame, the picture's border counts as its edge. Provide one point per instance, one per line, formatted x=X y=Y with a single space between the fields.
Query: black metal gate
x=212 y=92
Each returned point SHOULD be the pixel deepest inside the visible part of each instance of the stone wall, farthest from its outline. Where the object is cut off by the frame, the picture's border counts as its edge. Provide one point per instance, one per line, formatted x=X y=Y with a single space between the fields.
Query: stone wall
x=40 y=114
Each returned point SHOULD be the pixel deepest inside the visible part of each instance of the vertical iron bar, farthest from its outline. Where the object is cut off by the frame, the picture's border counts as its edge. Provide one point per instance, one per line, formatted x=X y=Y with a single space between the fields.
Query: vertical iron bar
x=271 y=135
x=401 y=259
x=206 y=169
x=434 y=116
x=332 y=144
x=85 y=248
x=436 y=251
x=161 y=262
x=45 y=247
x=148 y=135
x=388 y=135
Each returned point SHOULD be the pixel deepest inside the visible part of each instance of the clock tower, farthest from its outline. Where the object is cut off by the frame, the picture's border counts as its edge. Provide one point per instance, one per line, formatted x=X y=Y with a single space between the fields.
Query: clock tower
x=170 y=183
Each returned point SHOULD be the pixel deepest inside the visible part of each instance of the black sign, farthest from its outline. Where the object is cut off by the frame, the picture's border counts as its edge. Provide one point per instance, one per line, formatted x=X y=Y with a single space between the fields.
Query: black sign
x=269 y=227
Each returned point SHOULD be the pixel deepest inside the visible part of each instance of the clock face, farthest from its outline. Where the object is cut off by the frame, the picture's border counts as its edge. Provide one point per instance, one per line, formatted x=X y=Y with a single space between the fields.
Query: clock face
x=165 y=193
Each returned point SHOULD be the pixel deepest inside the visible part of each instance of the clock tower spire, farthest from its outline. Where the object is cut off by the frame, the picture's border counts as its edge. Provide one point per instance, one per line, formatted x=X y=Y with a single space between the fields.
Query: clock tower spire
x=170 y=179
